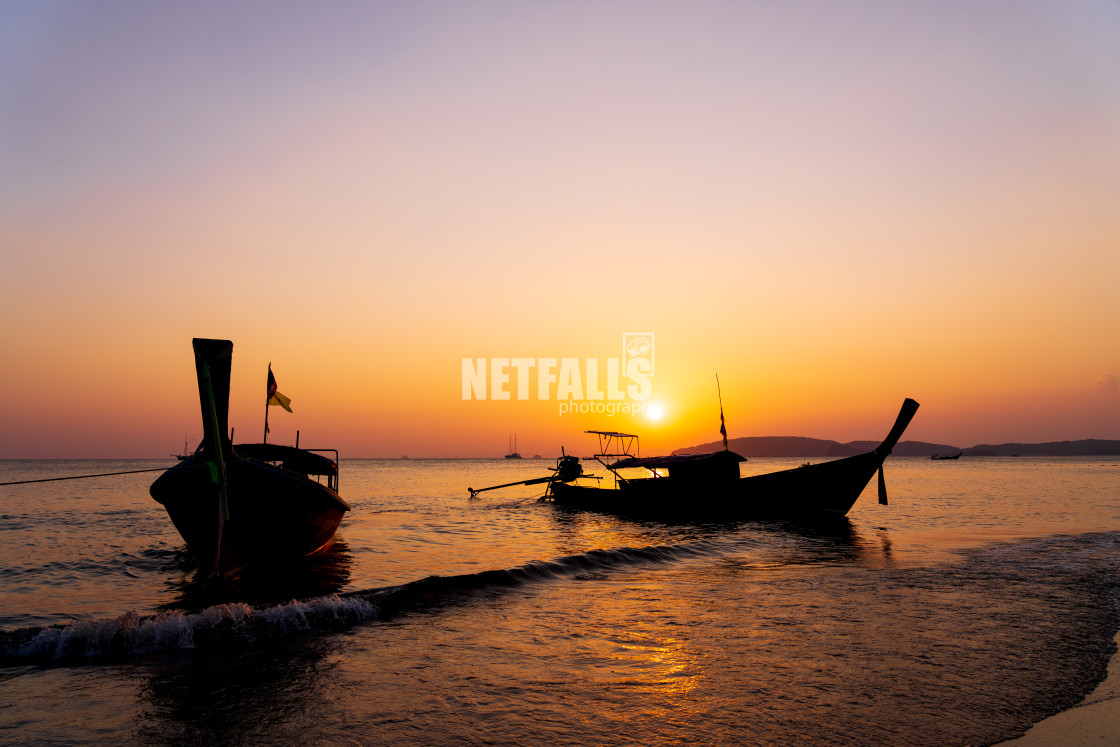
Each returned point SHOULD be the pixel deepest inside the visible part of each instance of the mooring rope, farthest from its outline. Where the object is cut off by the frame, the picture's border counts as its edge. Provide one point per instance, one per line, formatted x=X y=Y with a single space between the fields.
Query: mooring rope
x=82 y=477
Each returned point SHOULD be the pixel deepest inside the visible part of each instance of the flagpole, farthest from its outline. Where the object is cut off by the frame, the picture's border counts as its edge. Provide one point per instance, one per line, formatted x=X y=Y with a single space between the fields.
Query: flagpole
x=266 y=398
x=722 y=425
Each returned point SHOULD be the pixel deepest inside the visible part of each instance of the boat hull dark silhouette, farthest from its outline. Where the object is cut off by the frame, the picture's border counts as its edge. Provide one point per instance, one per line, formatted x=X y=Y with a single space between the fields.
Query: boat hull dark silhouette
x=236 y=506
x=709 y=487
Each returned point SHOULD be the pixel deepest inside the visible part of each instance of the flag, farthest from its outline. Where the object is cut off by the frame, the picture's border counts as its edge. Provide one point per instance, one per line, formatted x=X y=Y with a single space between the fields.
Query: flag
x=275 y=397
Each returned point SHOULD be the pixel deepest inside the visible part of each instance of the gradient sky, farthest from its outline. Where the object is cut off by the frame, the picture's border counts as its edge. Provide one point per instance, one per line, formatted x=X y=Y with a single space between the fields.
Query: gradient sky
x=832 y=205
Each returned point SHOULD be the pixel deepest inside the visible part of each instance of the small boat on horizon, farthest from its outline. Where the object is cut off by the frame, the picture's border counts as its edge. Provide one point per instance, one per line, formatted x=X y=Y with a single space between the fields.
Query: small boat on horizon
x=940 y=458
x=240 y=505
x=708 y=486
x=513 y=453
x=186 y=453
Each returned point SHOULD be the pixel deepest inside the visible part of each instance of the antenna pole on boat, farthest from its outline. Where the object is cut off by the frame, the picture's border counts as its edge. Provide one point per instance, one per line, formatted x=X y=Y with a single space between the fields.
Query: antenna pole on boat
x=722 y=425
x=266 y=398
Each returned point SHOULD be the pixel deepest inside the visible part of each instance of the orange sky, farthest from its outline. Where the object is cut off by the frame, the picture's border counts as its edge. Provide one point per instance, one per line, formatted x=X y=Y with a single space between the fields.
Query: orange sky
x=833 y=207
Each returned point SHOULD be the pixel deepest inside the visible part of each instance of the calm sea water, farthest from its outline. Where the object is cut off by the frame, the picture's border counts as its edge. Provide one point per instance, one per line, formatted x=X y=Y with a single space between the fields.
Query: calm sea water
x=983 y=598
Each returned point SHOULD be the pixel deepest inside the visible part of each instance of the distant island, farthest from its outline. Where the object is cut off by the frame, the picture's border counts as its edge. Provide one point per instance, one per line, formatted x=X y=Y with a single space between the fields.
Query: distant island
x=794 y=446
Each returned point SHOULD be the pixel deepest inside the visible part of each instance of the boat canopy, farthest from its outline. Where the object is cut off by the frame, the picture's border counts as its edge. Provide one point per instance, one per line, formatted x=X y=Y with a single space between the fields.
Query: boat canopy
x=668 y=462
x=688 y=468
x=303 y=461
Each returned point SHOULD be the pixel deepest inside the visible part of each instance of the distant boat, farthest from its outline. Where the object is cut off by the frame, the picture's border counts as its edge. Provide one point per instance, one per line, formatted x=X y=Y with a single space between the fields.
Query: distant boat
x=240 y=505
x=186 y=451
x=938 y=457
x=513 y=449
x=708 y=486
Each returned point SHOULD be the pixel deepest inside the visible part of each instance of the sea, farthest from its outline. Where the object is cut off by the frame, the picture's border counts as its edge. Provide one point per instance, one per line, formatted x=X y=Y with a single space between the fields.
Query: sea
x=983 y=598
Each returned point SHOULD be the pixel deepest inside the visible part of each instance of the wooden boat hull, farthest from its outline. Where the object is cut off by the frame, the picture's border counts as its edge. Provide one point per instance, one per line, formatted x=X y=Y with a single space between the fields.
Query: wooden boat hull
x=273 y=513
x=829 y=488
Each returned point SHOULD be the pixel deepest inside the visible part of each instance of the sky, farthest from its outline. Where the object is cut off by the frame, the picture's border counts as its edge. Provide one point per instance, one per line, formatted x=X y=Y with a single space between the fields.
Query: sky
x=832 y=206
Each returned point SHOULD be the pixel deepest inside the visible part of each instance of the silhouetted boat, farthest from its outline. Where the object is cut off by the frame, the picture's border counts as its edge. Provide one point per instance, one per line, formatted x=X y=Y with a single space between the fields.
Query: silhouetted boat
x=186 y=451
x=938 y=457
x=238 y=505
x=707 y=486
x=513 y=450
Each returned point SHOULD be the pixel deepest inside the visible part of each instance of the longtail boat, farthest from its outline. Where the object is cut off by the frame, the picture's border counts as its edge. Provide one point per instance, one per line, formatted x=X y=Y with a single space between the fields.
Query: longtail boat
x=239 y=505
x=708 y=486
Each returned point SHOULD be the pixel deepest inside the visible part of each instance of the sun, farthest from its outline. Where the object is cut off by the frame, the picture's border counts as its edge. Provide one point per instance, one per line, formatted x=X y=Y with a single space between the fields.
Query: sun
x=655 y=411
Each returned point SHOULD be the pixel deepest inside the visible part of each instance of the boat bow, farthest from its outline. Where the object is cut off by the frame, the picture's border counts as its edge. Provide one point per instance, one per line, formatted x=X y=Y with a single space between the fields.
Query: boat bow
x=905 y=415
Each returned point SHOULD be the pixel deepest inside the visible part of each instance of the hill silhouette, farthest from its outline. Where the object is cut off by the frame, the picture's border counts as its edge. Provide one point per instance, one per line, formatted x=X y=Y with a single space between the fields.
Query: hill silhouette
x=796 y=446
x=1084 y=447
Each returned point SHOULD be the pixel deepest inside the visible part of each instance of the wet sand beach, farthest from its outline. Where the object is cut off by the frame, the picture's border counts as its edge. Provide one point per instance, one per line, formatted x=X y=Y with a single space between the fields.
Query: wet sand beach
x=1094 y=721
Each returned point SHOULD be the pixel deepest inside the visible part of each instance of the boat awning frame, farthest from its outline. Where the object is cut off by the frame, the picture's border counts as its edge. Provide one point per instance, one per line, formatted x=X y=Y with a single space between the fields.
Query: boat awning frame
x=617 y=445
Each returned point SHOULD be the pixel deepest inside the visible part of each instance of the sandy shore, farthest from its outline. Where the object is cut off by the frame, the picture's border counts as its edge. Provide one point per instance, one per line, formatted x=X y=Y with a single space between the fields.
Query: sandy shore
x=1094 y=721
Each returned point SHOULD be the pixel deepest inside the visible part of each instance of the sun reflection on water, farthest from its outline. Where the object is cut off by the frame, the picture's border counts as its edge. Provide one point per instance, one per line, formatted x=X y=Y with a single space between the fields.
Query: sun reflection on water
x=662 y=665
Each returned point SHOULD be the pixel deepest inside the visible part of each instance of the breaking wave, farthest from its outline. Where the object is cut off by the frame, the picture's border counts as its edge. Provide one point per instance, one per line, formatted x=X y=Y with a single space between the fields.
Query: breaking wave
x=240 y=623
x=133 y=633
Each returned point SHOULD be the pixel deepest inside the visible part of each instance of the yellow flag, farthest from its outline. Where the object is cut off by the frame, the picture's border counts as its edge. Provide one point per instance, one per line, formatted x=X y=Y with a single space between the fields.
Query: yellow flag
x=279 y=399
x=275 y=397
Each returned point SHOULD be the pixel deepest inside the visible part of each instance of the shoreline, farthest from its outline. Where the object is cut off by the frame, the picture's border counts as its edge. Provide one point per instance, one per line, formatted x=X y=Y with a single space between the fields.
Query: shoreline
x=1093 y=721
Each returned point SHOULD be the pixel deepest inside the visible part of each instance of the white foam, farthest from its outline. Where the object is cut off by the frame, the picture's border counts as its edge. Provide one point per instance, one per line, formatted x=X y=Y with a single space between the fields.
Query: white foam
x=134 y=633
